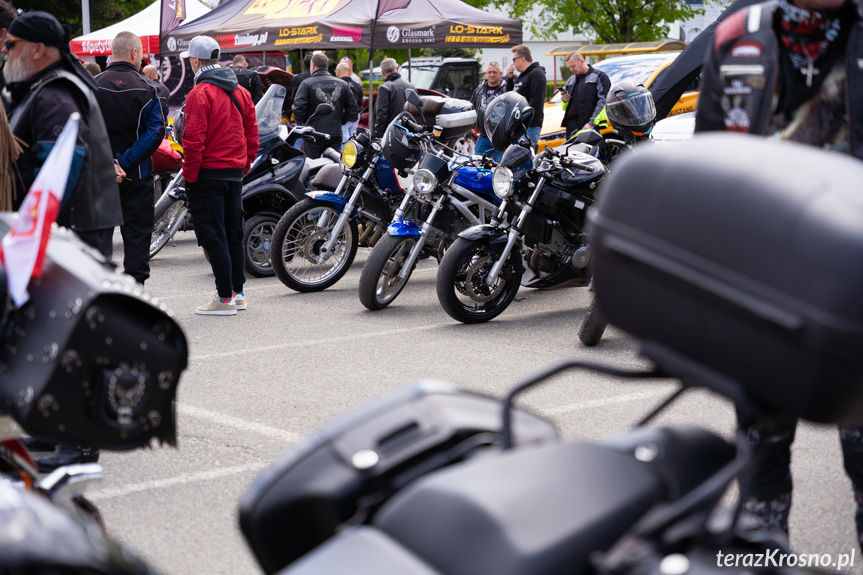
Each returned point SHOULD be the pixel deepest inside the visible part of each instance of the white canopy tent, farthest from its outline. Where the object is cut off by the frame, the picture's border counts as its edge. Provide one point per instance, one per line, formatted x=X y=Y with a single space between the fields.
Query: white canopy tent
x=145 y=24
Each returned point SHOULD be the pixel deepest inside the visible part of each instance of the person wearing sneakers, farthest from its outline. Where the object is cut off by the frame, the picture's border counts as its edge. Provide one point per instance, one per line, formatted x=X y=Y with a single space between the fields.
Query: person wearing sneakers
x=220 y=140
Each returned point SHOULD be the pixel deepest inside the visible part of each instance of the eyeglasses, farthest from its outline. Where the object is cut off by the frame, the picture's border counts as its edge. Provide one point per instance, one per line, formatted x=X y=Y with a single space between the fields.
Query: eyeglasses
x=9 y=42
x=516 y=58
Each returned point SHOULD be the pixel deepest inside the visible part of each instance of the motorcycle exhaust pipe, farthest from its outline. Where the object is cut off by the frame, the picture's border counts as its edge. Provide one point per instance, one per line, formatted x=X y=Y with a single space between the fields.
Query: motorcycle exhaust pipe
x=376 y=236
x=365 y=233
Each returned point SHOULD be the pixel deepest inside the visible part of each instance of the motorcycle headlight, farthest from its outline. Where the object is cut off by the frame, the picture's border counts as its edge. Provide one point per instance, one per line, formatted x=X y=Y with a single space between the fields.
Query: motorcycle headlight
x=501 y=182
x=350 y=152
x=424 y=181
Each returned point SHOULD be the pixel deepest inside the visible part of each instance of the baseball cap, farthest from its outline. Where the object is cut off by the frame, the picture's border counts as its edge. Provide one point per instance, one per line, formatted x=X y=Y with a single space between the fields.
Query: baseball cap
x=202 y=47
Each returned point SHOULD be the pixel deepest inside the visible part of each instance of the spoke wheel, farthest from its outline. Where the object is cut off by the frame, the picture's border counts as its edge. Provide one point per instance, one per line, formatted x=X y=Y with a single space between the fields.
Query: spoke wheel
x=257 y=239
x=166 y=225
x=380 y=283
x=461 y=287
x=297 y=241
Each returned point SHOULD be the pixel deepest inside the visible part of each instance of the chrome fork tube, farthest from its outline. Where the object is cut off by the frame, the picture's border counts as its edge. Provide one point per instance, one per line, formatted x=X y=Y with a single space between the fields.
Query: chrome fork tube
x=514 y=233
x=421 y=242
x=327 y=248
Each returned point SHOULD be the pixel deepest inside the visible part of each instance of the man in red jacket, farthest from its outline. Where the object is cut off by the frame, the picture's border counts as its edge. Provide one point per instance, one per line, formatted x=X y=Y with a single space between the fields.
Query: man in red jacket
x=220 y=140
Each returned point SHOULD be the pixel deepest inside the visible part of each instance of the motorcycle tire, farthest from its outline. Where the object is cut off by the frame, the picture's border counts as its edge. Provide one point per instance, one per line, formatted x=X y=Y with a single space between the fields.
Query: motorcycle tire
x=257 y=239
x=460 y=287
x=380 y=283
x=166 y=224
x=297 y=239
x=593 y=326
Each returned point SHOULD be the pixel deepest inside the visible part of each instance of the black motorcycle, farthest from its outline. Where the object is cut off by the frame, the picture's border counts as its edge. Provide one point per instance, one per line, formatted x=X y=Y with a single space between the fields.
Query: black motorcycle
x=276 y=180
x=549 y=194
x=435 y=481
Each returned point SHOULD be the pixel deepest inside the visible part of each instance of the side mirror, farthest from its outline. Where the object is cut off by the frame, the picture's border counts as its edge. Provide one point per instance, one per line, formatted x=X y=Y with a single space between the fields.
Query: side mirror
x=324 y=109
x=414 y=99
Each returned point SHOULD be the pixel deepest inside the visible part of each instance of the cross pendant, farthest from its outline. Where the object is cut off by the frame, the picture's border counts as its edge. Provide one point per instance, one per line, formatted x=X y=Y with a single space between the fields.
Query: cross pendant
x=810 y=71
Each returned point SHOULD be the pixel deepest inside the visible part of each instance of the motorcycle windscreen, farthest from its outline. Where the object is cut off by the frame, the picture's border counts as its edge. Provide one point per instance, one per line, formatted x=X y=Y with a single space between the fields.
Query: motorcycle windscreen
x=518 y=159
x=269 y=112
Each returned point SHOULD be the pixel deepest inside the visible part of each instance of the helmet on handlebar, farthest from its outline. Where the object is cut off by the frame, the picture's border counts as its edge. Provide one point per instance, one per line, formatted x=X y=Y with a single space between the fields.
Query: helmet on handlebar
x=400 y=149
x=506 y=119
x=630 y=109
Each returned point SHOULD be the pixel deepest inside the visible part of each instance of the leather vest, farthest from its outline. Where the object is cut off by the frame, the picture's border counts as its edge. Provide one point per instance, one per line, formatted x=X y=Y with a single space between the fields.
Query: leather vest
x=95 y=201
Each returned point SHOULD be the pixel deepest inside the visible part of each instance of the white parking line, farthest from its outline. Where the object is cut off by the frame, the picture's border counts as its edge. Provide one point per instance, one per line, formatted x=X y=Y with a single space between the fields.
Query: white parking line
x=591 y=403
x=241 y=424
x=209 y=475
x=315 y=342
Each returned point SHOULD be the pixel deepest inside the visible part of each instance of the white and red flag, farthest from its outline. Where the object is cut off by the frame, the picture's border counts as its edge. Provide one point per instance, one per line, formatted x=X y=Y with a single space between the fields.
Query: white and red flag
x=23 y=248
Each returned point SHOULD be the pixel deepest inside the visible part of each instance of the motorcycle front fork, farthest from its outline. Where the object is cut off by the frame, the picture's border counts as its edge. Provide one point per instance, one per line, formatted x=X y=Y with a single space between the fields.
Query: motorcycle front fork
x=344 y=215
x=514 y=234
x=421 y=242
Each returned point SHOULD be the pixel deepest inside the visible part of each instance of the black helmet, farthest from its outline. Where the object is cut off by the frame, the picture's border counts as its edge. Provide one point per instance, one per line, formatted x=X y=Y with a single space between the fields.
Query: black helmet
x=400 y=150
x=630 y=109
x=507 y=118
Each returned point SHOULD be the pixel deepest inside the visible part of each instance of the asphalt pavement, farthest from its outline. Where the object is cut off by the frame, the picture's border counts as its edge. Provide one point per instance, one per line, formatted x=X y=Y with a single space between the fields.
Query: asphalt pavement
x=259 y=381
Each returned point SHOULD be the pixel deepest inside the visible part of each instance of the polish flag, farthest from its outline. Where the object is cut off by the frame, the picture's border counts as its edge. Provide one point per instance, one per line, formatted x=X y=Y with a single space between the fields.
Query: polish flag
x=23 y=248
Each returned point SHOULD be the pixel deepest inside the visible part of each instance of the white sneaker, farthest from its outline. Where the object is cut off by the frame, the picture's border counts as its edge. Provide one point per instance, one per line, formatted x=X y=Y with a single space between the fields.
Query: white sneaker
x=217 y=307
x=240 y=300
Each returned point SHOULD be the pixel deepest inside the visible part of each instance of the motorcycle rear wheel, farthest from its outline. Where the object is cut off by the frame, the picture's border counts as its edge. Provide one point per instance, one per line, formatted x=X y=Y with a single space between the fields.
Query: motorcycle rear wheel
x=297 y=239
x=166 y=224
x=257 y=241
x=380 y=283
x=593 y=326
x=461 y=288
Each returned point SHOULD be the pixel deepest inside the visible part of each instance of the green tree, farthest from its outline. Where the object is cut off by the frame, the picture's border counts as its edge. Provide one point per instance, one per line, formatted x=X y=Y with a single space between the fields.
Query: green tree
x=604 y=21
x=102 y=12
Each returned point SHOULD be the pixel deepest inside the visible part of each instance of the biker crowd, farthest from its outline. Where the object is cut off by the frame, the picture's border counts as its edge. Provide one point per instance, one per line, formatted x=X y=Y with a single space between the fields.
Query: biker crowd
x=111 y=184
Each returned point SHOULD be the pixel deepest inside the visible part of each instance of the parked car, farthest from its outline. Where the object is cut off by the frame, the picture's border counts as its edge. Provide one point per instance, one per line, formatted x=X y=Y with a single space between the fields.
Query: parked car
x=453 y=77
x=643 y=68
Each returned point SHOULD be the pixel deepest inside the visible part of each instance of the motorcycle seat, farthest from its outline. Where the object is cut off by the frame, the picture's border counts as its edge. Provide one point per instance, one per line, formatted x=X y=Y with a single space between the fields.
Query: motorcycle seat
x=313 y=165
x=543 y=509
x=327 y=178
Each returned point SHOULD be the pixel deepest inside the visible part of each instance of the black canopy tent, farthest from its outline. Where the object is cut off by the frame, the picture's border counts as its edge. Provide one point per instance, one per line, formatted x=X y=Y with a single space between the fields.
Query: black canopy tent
x=243 y=25
x=686 y=67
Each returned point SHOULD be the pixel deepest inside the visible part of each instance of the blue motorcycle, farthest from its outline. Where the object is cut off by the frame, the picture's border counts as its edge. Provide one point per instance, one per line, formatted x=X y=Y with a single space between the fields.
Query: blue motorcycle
x=448 y=195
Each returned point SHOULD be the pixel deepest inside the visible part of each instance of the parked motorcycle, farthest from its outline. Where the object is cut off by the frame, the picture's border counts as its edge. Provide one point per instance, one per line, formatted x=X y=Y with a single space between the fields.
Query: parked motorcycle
x=449 y=193
x=549 y=195
x=317 y=239
x=434 y=481
x=275 y=181
x=89 y=359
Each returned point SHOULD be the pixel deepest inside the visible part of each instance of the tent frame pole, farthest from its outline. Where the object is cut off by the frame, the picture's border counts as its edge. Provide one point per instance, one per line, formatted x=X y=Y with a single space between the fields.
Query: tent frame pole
x=372 y=94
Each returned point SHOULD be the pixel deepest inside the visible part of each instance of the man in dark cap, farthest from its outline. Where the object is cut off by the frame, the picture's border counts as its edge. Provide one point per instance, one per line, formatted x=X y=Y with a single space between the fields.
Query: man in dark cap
x=46 y=84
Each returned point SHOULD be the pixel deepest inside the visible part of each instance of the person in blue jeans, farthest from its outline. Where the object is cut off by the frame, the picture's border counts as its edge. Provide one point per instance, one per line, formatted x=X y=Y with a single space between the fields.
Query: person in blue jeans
x=490 y=89
x=531 y=83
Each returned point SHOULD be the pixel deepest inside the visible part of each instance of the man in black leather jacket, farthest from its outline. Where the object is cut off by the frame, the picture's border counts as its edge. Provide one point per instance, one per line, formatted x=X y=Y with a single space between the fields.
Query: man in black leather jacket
x=47 y=85
x=319 y=88
x=789 y=69
x=247 y=78
x=531 y=83
x=391 y=96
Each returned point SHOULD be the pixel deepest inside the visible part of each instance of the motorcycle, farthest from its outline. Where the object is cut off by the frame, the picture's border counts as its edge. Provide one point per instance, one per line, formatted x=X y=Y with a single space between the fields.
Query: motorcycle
x=435 y=481
x=275 y=181
x=480 y=274
x=452 y=193
x=109 y=359
x=317 y=239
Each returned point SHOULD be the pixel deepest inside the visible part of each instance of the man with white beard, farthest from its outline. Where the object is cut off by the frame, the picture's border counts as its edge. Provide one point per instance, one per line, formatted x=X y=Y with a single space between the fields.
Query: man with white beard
x=45 y=84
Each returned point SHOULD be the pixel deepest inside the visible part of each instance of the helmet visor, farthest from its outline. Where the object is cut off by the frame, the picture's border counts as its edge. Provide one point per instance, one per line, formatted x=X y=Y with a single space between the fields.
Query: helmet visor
x=632 y=111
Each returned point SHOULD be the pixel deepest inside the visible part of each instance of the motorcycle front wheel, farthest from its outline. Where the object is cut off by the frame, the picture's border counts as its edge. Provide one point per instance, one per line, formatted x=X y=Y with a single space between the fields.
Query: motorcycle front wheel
x=461 y=286
x=297 y=241
x=593 y=326
x=166 y=224
x=257 y=240
x=380 y=283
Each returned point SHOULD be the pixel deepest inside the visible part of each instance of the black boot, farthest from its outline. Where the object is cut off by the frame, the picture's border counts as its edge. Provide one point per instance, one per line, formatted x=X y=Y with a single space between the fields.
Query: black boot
x=67 y=455
x=34 y=444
